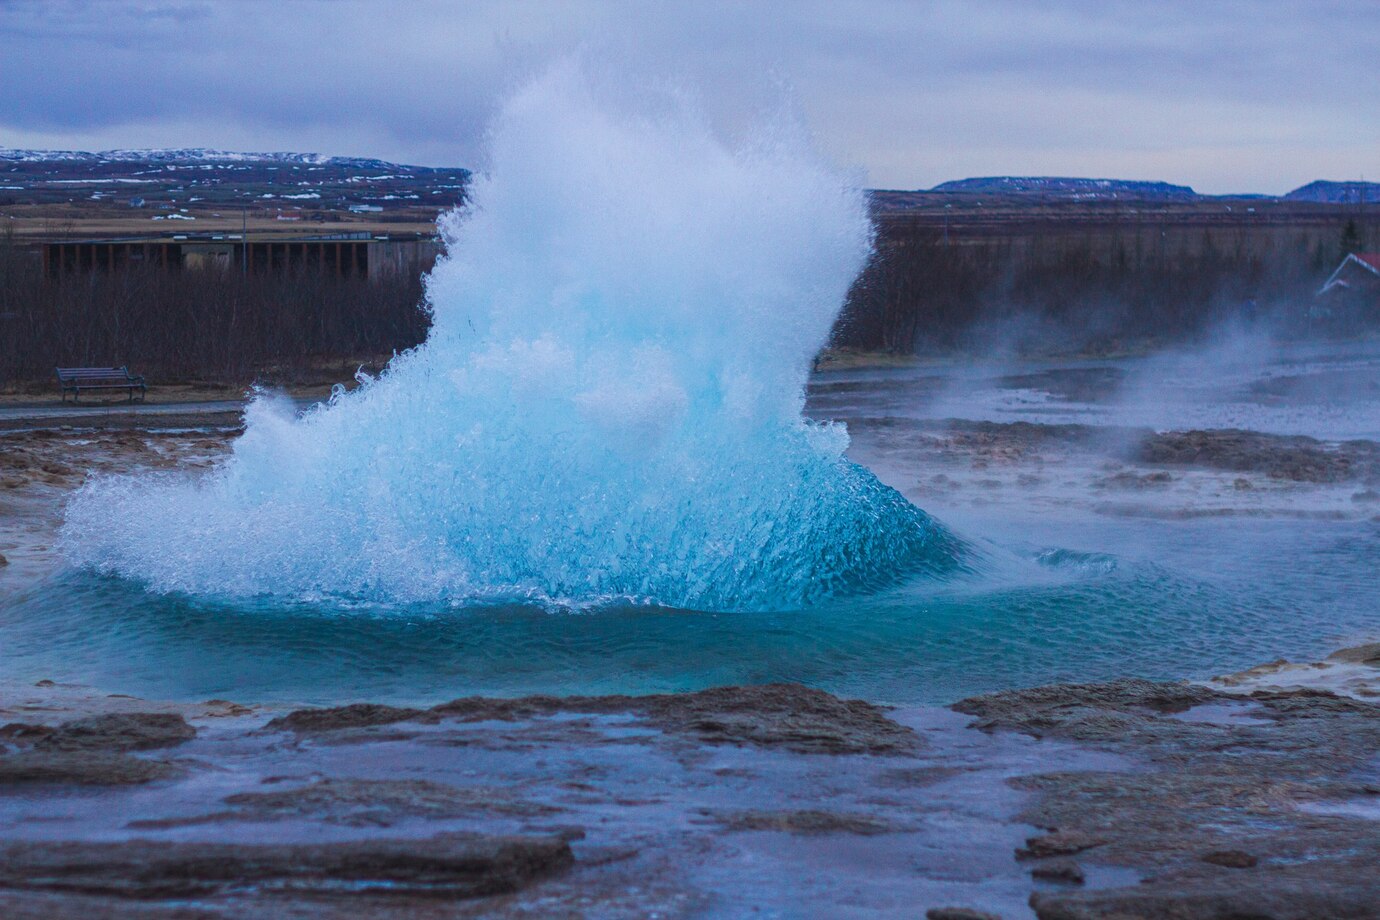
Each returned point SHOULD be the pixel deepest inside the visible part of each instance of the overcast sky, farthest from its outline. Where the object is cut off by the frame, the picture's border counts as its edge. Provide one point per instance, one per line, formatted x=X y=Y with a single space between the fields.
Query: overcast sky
x=1224 y=96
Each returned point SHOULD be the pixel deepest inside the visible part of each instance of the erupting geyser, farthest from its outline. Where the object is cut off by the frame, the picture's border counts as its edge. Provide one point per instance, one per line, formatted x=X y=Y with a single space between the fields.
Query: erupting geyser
x=608 y=405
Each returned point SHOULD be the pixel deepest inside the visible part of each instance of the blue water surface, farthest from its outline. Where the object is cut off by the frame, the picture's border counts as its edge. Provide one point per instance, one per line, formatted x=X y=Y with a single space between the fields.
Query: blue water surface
x=1180 y=599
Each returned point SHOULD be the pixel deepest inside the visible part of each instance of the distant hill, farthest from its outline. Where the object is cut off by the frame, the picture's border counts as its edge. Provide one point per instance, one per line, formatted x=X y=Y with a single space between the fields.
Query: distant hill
x=1071 y=188
x=1327 y=192
x=197 y=183
x=188 y=155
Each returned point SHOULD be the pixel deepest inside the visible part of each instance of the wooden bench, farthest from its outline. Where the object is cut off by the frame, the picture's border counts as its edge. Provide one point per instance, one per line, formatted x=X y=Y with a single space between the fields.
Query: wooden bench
x=75 y=379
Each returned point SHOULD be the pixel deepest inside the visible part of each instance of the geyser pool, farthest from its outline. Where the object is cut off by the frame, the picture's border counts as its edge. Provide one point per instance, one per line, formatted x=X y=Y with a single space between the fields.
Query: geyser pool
x=1090 y=578
x=608 y=406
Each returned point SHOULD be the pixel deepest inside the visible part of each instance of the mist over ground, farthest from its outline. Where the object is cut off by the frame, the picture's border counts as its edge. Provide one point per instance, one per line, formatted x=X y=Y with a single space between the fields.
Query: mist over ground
x=1133 y=279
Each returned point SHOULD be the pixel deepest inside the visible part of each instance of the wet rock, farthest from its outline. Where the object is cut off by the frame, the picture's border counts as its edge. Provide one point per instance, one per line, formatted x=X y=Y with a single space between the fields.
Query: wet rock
x=355 y=715
x=125 y=731
x=83 y=768
x=1009 y=439
x=1065 y=871
x=226 y=709
x=1252 y=674
x=1361 y=654
x=1129 y=480
x=1291 y=457
x=1087 y=712
x=37 y=905
x=1295 y=704
x=24 y=732
x=911 y=777
x=1061 y=843
x=1213 y=810
x=449 y=865
x=1341 y=891
x=363 y=803
x=958 y=913
x=807 y=821
x=410 y=797
x=787 y=716
x=1230 y=859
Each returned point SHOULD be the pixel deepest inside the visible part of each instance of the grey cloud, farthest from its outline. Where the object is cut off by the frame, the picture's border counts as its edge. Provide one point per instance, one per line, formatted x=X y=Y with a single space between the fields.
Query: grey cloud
x=1227 y=96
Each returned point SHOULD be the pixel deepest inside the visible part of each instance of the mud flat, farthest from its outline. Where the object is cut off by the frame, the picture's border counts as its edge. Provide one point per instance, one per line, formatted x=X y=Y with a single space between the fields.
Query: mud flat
x=1254 y=795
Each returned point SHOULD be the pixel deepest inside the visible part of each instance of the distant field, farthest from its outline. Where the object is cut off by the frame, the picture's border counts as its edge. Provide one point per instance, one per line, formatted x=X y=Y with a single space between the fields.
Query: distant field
x=969 y=217
x=37 y=223
x=53 y=199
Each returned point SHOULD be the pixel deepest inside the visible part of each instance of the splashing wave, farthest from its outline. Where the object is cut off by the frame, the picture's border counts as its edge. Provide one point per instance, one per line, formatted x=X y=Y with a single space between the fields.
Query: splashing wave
x=608 y=404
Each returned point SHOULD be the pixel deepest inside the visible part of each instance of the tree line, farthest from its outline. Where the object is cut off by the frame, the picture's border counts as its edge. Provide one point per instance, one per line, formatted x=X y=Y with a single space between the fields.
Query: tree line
x=196 y=324
x=1096 y=289
x=920 y=291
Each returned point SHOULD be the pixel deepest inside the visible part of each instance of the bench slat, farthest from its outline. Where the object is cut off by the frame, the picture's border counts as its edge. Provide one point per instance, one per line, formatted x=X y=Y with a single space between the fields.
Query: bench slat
x=76 y=379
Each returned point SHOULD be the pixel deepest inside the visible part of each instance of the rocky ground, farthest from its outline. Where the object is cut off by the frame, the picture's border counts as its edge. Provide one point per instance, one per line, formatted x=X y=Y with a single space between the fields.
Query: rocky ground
x=1124 y=471
x=1259 y=803
x=1253 y=796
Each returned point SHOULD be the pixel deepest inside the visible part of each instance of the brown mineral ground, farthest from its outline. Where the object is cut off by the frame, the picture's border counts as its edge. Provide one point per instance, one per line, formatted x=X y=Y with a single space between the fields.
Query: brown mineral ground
x=1113 y=800
x=1253 y=795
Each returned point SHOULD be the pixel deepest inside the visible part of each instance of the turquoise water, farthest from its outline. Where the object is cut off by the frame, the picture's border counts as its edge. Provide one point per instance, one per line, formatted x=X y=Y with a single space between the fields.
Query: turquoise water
x=1183 y=599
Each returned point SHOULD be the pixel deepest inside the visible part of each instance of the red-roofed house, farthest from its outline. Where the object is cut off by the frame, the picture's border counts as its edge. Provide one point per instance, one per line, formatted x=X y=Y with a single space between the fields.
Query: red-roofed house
x=1352 y=294
x=1359 y=271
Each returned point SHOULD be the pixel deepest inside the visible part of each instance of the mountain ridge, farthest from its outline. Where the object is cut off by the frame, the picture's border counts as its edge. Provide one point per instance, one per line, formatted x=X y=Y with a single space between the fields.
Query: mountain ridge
x=193 y=155
x=1069 y=187
x=1327 y=191
x=1323 y=191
